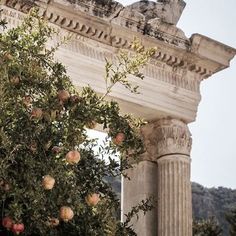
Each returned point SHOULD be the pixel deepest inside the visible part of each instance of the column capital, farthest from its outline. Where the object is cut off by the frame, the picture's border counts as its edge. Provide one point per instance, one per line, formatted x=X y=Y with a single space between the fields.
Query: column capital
x=165 y=137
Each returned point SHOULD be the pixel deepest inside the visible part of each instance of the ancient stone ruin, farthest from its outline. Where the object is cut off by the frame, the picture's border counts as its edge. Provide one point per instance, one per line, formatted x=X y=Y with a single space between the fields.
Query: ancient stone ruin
x=169 y=93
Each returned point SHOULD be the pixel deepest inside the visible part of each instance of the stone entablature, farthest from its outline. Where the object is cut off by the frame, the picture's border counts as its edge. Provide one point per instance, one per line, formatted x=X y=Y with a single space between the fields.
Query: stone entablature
x=173 y=76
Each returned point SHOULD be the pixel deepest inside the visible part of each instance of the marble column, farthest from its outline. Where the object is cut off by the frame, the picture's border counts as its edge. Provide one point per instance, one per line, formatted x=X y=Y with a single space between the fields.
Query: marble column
x=174 y=208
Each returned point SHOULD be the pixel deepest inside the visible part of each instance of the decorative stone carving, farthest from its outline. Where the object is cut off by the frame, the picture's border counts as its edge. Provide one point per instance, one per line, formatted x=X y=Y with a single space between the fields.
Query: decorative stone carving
x=20 y=5
x=173 y=137
x=74 y=18
x=166 y=137
x=106 y=9
x=168 y=11
x=169 y=142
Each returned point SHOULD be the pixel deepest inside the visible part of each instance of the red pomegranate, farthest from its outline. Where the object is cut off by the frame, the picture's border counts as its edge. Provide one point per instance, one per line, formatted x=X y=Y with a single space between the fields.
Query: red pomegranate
x=7 y=222
x=66 y=213
x=73 y=157
x=48 y=182
x=63 y=95
x=120 y=137
x=92 y=199
x=18 y=228
x=15 y=80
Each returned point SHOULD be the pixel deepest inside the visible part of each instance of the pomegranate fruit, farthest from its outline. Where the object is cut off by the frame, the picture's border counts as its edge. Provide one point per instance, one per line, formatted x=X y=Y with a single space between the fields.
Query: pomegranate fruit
x=66 y=213
x=15 y=80
x=63 y=95
x=7 y=222
x=48 y=182
x=92 y=199
x=18 y=228
x=73 y=157
x=120 y=137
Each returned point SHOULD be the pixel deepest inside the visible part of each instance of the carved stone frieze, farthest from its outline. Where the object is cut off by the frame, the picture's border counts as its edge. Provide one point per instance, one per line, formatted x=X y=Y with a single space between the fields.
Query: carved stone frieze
x=166 y=137
x=163 y=67
x=179 y=79
x=71 y=18
x=173 y=137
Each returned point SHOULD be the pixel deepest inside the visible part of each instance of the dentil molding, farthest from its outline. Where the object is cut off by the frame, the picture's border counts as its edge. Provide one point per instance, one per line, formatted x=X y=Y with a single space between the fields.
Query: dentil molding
x=98 y=31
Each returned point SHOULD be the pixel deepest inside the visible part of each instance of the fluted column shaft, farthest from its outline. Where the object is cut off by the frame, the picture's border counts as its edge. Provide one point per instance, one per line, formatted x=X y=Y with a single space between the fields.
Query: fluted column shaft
x=174 y=196
x=174 y=207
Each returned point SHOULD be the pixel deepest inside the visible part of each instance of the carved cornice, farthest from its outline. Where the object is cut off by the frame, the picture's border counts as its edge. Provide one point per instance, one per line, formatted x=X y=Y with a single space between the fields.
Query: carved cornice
x=174 y=49
x=173 y=74
x=166 y=137
x=163 y=67
x=20 y=5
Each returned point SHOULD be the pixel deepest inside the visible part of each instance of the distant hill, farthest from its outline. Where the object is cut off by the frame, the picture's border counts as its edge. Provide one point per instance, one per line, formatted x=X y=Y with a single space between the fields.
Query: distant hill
x=216 y=202
x=207 y=202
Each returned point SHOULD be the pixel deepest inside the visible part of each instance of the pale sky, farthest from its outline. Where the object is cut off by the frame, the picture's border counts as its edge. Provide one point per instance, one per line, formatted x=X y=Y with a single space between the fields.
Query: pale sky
x=214 y=142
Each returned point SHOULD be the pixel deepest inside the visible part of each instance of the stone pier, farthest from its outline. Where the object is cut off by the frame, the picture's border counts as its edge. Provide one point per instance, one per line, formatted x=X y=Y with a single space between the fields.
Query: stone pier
x=142 y=184
x=169 y=94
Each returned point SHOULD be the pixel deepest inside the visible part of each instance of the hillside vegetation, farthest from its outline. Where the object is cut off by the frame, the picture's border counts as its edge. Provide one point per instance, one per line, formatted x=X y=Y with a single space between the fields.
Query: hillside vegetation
x=207 y=202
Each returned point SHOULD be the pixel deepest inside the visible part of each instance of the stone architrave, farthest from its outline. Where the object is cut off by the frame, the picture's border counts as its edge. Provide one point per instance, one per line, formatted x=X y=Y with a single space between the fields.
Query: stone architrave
x=169 y=94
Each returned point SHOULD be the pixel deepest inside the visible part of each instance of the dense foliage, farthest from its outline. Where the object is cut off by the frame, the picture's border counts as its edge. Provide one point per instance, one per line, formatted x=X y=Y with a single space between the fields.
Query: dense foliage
x=51 y=178
x=217 y=202
x=231 y=218
x=207 y=227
